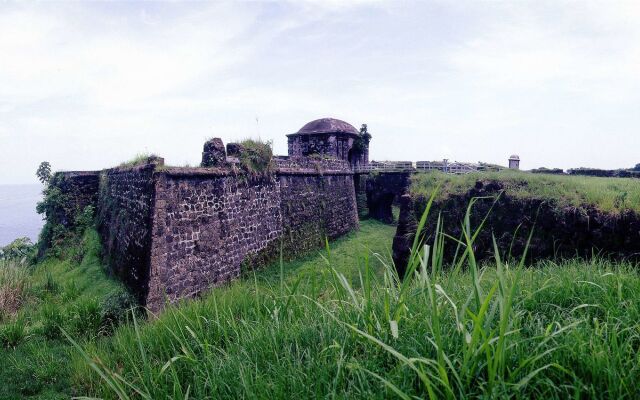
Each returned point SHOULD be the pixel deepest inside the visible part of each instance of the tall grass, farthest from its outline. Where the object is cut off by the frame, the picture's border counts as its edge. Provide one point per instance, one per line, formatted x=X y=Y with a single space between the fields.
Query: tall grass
x=14 y=286
x=498 y=330
x=37 y=301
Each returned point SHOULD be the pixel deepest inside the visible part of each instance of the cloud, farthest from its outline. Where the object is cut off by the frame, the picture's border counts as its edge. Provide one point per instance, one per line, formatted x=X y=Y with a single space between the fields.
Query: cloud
x=86 y=85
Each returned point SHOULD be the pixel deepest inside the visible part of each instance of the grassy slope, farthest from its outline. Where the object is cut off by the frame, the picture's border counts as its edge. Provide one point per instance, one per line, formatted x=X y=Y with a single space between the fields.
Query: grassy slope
x=608 y=194
x=302 y=331
x=60 y=293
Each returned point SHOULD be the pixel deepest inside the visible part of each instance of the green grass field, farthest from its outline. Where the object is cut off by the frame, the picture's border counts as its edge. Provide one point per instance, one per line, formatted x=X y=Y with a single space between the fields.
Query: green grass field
x=608 y=194
x=35 y=357
x=338 y=324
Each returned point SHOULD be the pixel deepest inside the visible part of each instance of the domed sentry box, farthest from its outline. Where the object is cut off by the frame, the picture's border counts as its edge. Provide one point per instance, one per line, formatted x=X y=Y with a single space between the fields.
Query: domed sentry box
x=514 y=162
x=332 y=138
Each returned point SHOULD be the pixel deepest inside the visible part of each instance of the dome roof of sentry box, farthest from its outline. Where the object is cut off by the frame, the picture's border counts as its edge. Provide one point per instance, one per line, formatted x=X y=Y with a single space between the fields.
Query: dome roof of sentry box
x=327 y=125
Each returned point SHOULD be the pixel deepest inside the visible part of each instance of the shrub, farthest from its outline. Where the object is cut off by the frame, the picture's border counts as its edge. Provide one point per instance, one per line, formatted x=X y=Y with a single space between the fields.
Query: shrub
x=20 y=249
x=84 y=318
x=65 y=220
x=115 y=309
x=256 y=156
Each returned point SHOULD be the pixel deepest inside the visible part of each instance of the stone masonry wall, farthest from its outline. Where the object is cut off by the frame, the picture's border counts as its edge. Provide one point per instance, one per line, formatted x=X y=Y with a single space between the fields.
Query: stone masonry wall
x=80 y=189
x=314 y=207
x=207 y=223
x=125 y=207
x=383 y=190
x=172 y=233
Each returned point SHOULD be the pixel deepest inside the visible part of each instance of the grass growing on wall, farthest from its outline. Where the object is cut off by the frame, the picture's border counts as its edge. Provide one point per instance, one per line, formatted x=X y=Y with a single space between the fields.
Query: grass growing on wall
x=341 y=325
x=77 y=296
x=608 y=194
x=138 y=159
x=256 y=156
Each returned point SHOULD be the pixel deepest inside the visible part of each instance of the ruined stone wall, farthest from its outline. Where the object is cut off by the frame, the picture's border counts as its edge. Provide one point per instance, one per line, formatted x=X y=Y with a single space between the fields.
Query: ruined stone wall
x=383 y=191
x=171 y=233
x=558 y=231
x=125 y=207
x=79 y=190
x=207 y=223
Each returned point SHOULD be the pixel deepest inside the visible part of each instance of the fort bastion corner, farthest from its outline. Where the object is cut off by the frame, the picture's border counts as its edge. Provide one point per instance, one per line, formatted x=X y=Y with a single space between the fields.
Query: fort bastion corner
x=173 y=232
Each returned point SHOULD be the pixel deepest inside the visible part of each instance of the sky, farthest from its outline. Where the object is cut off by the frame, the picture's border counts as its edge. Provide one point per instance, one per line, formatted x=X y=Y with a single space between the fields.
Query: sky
x=86 y=86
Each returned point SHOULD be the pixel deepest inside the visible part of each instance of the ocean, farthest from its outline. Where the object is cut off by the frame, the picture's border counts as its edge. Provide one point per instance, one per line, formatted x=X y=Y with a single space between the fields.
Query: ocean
x=18 y=216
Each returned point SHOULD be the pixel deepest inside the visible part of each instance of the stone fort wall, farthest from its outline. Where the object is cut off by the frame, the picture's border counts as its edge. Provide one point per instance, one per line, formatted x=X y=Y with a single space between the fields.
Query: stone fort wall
x=125 y=209
x=205 y=225
x=171 y=233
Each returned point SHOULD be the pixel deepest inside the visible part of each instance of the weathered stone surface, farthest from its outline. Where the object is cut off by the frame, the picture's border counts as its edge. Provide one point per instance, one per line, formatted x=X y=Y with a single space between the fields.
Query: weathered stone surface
x=214 y=154
x=172 y=233
x=558 y=231
x=383 y=190
x=234 y=149
x=125 y=207
x=80 y=189
x=204 y=228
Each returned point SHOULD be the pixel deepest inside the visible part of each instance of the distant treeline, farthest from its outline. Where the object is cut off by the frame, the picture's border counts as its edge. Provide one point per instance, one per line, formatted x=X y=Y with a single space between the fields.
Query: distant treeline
x=606 y=173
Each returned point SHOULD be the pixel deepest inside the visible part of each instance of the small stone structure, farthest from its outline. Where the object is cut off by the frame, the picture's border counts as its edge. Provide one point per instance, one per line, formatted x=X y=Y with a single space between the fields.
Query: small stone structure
x=330 y=137
x=514 y=162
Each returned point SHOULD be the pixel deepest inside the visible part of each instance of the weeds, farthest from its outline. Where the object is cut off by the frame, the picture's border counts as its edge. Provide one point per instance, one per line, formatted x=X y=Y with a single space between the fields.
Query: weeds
x=36 y=301
x=14 y=287
x=13 y=333
x=256 y=156
x=139 y=159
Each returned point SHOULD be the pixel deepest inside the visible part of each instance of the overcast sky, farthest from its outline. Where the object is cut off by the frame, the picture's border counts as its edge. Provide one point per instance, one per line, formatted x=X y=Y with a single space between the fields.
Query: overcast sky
x=88 y=85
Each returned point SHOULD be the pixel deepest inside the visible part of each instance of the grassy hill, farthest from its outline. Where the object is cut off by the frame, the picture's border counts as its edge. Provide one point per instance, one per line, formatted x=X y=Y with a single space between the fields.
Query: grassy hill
x=608 y=194
x=73 y=294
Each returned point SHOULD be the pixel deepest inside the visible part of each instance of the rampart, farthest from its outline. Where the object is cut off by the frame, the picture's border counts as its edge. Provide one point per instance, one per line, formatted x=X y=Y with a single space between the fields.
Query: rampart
x=559 y=231
x=171 y=233
x=125 y=207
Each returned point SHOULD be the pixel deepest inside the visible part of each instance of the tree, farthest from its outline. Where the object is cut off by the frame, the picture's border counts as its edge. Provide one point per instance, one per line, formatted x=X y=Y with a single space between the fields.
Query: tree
x=362 y=141
x=637 y=167
x=44 y=172
x=364 y=133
